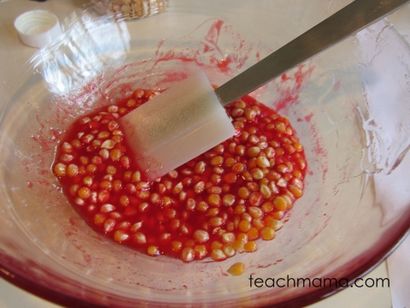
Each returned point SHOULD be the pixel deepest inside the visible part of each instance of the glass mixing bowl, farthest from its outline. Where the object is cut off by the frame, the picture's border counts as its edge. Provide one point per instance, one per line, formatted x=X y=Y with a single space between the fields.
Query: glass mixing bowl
x=349 y=106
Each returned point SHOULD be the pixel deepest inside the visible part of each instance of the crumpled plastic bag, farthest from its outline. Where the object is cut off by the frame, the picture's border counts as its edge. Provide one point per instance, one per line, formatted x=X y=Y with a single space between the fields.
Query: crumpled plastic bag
x=89 y=45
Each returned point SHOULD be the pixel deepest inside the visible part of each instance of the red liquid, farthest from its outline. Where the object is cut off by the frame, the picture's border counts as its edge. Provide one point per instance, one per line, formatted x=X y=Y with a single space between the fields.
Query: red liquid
x=216 y=205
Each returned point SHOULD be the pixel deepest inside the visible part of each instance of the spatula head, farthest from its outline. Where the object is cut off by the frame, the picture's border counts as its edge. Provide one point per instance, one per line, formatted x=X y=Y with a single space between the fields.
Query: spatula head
x=176 y=126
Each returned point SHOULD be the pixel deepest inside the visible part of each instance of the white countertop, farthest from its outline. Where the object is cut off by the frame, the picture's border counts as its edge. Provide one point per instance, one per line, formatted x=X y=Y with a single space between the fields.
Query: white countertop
x=11 y=296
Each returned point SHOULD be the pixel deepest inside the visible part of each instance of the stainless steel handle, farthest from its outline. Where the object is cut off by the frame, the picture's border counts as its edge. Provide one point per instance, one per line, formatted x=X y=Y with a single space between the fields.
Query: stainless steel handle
x=348 y=20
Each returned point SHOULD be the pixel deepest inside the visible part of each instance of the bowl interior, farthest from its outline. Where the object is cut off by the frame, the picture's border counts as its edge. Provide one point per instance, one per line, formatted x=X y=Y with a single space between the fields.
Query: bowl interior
x=355 y=206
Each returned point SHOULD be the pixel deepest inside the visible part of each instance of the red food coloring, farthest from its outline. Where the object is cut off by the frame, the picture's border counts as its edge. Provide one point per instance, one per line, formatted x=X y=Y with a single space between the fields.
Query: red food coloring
x=216 y=205
x=290 y=96
x=308 y=117
x=284 y=77
x=285 y=102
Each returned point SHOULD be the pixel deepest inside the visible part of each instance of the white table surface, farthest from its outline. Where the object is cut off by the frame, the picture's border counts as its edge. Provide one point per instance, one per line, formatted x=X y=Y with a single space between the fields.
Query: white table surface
x=11 y=296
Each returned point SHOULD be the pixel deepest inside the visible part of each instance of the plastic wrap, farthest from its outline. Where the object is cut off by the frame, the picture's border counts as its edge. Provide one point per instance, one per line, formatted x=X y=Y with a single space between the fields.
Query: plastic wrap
x=90 y=45
x=386 y=119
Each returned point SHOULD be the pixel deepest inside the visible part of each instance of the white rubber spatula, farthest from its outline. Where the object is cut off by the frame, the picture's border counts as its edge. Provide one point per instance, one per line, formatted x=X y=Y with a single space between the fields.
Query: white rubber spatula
x=189 y=119
x=177 y=125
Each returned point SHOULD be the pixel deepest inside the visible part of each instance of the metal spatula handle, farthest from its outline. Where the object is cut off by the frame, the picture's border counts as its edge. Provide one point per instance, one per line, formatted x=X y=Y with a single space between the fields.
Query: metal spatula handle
x=348 y=20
